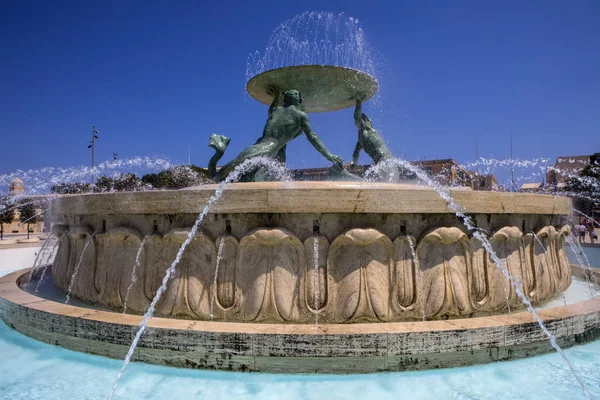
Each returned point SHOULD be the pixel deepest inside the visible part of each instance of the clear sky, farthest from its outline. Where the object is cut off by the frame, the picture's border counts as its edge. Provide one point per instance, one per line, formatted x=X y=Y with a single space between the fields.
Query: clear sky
x=156 y=77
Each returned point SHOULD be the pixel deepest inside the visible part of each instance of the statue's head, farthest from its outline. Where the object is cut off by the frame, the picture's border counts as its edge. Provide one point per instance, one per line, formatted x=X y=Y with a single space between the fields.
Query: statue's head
x=292 y=97
x=364 y=122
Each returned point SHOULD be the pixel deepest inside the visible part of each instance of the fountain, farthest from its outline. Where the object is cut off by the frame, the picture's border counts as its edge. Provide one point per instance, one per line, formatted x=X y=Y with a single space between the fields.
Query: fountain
x=323 y=277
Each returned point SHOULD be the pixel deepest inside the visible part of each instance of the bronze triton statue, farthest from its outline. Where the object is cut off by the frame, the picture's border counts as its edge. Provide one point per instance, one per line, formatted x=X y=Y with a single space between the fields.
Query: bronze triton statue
x=283 y=125
x=369 y=139
x=372 y=143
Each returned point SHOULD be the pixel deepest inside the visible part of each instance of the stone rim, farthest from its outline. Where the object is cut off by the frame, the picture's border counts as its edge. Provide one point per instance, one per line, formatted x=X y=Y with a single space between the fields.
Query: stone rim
x=384 y=347
x=323 y=87
x=311 y=198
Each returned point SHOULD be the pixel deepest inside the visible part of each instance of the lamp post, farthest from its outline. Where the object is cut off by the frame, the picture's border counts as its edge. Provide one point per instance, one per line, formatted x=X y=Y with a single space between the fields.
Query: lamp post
x=92 y=144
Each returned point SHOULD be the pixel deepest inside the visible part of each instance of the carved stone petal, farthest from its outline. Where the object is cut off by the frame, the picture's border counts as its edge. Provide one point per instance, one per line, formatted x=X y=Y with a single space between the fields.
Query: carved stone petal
x=171 y=300
x=269 y=267
x=360 y=262
x=198 y=265
x=480 y=284
x=83 y=287
x=117 y=249
x=252 y=276
x=444 y=260
x=288 y=263
x=508 y=246
x=543 y=268
x=155 y=264
x=61 y=262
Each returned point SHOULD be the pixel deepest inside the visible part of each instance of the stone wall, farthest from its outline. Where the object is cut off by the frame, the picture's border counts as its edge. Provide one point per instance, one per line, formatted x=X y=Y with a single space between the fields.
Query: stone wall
x=273 y=274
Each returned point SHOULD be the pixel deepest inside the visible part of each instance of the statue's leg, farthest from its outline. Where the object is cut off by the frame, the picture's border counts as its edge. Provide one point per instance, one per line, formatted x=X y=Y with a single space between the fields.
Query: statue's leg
x=281 y=156
x=251 y=152
x=219 y=143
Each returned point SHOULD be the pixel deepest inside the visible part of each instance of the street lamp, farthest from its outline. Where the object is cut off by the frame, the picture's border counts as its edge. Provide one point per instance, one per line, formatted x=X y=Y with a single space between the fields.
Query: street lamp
x=92 y=144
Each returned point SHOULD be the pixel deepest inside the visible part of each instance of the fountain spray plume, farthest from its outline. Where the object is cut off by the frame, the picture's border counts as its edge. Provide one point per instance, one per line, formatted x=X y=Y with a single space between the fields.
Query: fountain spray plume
x=588 y=271
x=41 y=181
x=315 y=38
x=275 y=170
x=48 y=261
x=592 y=220
x=419 y=277
x=39 y=258
x=214 y=293
x=585 y=262
x=460 y=212
x=136 y=265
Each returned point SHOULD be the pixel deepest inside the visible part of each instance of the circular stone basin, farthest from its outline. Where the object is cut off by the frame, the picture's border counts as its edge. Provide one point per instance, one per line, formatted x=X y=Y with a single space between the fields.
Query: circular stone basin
x=288 y=348
x=323 y=87
x=295 y=252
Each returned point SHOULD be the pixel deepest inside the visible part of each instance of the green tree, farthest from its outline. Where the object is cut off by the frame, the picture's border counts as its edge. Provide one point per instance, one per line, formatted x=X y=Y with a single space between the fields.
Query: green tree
x=176 y=177
x=585 y=188
x=7 y=215
x=72 y=188
x=28 y=213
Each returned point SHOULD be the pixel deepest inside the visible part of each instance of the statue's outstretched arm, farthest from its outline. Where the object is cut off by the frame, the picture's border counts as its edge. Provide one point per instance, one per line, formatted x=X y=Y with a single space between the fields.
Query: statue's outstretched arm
x=358 y=111
x=275 y=93
x=356 y=153
x=318 y=144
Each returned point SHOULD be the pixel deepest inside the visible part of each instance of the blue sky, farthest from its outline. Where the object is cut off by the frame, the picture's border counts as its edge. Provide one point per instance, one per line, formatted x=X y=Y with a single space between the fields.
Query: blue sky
x=156 y=77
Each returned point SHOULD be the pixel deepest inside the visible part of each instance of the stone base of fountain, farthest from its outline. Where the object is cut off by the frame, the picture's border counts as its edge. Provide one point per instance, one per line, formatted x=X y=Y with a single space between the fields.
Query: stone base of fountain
x=289 y=348
x=384 y=252
x=368 y=261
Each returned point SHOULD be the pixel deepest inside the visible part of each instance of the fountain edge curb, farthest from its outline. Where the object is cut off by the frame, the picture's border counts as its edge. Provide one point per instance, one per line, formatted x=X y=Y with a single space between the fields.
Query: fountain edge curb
x=294 y=348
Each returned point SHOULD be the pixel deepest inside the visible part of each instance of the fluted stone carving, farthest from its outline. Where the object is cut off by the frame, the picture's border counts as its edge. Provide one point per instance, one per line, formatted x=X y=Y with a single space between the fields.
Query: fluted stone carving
x=270 y=269
x=187 y=293
x=116 y=247
x=507 y=244
x=360 y=262
x=444 y=259
x=541 y=261
x=269 y=275
x=69 y=255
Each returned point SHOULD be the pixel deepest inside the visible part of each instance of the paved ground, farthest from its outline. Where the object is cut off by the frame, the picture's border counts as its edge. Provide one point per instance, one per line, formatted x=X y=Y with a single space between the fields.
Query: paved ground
x=21 y=255
x=17 y=258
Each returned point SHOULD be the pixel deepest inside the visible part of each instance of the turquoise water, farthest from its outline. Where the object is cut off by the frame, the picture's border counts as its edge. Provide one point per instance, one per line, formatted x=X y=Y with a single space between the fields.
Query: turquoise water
x=35 y=370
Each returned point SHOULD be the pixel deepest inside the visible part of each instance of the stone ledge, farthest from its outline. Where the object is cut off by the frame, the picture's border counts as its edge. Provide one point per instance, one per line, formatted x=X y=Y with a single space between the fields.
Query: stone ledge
x=331 y=348
x=309 y=197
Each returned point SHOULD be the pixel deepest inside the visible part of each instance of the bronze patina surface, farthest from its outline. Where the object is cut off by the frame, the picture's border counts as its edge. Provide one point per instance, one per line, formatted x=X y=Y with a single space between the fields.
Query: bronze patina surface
x=323 y=87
